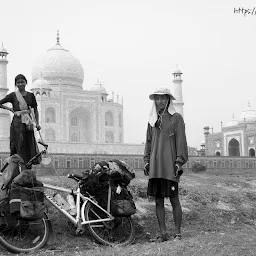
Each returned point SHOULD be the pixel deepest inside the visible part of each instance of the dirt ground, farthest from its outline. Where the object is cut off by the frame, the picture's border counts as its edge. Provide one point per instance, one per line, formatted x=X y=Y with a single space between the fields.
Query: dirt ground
x=219 y=218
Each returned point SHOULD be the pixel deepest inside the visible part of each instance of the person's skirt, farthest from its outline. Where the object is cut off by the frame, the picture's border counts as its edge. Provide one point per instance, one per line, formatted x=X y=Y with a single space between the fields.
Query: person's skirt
x=162 y=188
x=22 y=141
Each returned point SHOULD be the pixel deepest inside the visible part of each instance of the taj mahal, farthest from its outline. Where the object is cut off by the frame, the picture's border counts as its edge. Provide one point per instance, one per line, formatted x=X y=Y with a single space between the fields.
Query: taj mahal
x=75 y=120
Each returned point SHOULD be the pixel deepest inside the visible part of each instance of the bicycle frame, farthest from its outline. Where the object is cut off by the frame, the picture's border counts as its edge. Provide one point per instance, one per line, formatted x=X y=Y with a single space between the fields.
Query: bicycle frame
x=80 y=210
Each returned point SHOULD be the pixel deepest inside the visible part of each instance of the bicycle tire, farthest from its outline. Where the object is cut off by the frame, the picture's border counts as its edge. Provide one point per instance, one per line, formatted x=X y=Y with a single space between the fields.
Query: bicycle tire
x=24 y=236
x=112 y=232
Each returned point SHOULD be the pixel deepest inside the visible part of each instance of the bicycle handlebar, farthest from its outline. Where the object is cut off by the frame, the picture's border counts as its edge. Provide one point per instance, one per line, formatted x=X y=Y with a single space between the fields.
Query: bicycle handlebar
x=43 y=144
x=2 y=170
x=76 y=177
x=30 y=162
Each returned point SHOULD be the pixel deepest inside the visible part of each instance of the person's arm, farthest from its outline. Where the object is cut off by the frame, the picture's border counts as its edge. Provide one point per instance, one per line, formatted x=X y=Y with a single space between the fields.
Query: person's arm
x=147 y=150
x=6 y=99
x=34 y=106
x=181 y=143
x=36 y=115
x=38 y=127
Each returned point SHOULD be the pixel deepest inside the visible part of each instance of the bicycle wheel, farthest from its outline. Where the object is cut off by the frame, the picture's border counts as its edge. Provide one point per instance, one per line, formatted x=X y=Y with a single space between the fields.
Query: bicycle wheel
x=119 y=231
x=21 y=236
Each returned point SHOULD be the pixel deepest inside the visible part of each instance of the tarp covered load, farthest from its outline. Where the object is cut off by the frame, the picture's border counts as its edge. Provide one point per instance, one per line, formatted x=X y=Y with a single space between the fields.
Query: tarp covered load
x=97 y=178
x=110 y=179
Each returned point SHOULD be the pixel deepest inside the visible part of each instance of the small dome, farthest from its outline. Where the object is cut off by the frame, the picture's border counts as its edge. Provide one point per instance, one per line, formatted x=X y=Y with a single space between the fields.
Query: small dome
x=177 y=71
x=248 y=114
x=3 y=50
x=98 y=87
x=233 y=122
x=40 y=83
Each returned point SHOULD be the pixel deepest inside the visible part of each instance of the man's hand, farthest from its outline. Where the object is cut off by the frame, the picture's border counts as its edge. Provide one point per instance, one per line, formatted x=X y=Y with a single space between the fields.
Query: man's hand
x=178 y=171
x=146 y=169
x=38 y=127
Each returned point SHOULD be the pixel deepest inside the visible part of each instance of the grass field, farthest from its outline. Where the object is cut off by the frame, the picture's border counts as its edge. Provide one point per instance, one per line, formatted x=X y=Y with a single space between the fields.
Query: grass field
x=219 y=218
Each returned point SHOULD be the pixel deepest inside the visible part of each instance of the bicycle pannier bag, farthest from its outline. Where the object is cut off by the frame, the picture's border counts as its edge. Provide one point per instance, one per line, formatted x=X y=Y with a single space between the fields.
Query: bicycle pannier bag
x=122 y=204
x=12 y=170
x=27 y=203
x=123 y=207
x=32 y=210
x=6 y=219
x=27 y=178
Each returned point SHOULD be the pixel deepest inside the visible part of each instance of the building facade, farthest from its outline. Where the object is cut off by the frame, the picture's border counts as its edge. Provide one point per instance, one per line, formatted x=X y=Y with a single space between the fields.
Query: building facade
x=236 y=138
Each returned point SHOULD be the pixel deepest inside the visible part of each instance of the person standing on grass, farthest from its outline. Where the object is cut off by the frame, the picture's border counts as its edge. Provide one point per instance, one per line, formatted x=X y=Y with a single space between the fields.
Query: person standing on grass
x=22 y=139
x=165 y=153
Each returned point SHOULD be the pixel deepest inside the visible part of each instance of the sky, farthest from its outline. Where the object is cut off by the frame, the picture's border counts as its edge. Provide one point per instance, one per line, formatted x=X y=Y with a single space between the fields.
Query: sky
x=133 y=46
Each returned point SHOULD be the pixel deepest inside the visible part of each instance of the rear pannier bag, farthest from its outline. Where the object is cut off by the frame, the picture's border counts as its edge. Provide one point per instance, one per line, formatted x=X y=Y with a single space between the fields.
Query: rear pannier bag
x=27 y=203
x=122 y=204
x=32 y=210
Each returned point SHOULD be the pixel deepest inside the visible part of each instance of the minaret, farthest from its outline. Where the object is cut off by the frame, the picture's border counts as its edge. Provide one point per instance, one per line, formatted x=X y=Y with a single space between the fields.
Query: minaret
x=206 y=138
x=177 y=91
x=4 y=114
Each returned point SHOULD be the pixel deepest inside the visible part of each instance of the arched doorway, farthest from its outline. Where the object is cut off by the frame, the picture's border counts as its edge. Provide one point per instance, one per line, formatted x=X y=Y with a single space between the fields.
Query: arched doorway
x=233 y=148
x=109 y=118
x=109 y=137
x=80 y=125
x=50 y=115
x=251 y=152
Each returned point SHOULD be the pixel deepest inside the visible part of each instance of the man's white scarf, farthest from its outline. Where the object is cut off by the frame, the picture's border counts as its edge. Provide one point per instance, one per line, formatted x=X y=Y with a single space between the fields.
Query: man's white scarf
x=153 y=113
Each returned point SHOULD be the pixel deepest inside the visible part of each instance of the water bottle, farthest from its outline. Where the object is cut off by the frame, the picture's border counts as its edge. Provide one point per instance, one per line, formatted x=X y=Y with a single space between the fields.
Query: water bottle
x=61 y=202
x=72 y=204
x=118 y=189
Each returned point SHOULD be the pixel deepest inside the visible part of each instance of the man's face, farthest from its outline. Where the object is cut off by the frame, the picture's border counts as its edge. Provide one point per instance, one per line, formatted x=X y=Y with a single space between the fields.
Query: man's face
x=161 y=101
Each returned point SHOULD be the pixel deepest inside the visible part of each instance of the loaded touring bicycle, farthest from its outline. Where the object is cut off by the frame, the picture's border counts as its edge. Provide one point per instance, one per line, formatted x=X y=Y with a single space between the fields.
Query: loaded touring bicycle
x=101 y=204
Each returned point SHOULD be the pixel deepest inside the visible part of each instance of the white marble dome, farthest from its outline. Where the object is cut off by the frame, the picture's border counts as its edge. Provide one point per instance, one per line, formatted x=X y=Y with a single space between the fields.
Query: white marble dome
x=58 y=64
x=248 y=114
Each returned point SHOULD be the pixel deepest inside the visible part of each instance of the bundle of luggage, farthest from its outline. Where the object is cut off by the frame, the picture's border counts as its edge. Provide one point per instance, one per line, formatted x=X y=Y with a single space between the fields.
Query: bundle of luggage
x=25 y=192
x=114 y=175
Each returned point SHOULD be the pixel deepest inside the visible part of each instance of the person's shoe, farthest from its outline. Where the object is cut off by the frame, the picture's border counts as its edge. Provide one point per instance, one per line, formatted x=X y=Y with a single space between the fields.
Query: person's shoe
x=160 y=238
x=177 y=237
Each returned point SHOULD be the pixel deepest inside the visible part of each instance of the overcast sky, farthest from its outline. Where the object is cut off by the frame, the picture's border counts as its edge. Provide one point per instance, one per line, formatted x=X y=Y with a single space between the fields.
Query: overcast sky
x=133 y=46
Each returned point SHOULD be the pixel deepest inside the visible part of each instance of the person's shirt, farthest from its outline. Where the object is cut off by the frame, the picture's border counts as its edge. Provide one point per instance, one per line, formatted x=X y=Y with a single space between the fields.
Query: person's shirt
x=166 y=146
x=11 y=98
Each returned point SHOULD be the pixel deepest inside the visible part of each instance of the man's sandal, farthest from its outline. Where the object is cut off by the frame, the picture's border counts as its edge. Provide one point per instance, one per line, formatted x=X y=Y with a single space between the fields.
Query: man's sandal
x=160 y=238
x=177 y=237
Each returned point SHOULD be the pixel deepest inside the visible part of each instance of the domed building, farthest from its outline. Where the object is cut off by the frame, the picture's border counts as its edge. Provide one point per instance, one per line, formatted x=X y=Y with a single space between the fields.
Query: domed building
x=70 y=116
x=236 y=138
x=75 y=120
x=68 y=112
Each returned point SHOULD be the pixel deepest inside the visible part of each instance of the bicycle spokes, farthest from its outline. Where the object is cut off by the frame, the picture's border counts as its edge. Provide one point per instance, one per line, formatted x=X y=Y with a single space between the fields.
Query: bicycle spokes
x=117 y=231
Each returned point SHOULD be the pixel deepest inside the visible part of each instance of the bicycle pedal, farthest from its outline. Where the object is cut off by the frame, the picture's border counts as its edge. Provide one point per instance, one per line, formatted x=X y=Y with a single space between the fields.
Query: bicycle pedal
x=80 y=231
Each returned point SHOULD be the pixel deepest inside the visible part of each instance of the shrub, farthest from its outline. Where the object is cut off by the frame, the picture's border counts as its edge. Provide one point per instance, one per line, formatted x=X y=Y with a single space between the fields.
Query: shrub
x=197 y=167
